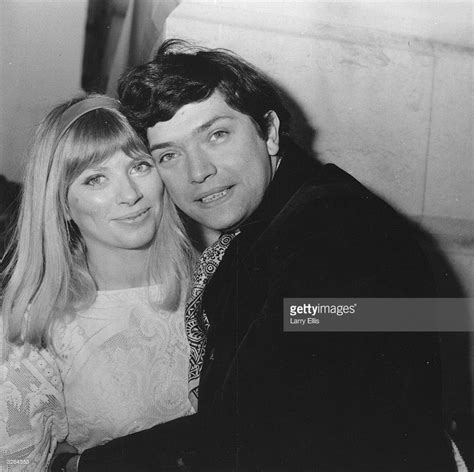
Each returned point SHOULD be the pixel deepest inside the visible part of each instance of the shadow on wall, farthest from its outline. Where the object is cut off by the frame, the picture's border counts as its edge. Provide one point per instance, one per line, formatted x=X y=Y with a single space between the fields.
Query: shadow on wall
x=9 y=202
x=104 y=21
x=455 y=346
x=301 y=130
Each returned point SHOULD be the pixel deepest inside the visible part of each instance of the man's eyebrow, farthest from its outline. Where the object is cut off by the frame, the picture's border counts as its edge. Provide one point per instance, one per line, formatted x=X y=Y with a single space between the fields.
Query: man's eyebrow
x=154 y=147
x=210 y=122
x=198 y=130
x=98 y=168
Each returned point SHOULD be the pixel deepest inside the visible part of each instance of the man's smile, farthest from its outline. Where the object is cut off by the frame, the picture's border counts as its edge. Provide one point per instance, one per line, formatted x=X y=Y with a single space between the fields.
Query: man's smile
x=214 y=195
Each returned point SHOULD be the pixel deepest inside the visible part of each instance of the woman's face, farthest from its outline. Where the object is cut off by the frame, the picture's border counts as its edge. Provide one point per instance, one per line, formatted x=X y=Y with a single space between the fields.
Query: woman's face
x=117 y=204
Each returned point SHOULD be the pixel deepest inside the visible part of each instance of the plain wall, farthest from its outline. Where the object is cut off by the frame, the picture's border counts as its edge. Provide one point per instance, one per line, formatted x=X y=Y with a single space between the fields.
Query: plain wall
x=41 y=64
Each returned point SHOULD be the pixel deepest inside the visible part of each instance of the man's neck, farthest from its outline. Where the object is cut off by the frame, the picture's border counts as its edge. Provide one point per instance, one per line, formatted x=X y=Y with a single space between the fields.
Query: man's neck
x=204 y=237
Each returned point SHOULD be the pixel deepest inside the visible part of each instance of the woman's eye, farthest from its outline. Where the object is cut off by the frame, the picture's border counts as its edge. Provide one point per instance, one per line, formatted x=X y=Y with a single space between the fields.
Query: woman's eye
x=95 y=180
x=218 y=135
x=142 y=167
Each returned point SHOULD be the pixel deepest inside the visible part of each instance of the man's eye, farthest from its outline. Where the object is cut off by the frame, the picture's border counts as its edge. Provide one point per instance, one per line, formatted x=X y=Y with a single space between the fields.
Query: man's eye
x=95 y=180
x=219 y=135
x=167 y=157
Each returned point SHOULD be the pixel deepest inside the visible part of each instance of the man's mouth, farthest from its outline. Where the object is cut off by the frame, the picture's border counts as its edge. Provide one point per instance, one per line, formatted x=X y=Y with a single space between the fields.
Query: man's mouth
x=214 y=196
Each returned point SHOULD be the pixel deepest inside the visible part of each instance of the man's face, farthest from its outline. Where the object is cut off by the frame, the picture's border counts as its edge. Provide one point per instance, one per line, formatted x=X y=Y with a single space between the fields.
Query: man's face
x=214 y=163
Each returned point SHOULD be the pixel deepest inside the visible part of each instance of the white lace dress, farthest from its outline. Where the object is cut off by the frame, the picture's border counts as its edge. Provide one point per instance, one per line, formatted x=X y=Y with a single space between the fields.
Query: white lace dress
x=121 y=367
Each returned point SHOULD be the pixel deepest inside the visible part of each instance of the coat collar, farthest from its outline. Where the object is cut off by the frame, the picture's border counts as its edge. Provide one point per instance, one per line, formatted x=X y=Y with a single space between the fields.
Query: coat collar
x=294 y=170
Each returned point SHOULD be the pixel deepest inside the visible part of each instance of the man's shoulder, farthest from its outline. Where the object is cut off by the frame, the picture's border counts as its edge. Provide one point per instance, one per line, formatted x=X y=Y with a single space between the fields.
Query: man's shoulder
x=330 y=181
x=330 y=193
x=333 y=210
x=308 y=177
x=335 y=236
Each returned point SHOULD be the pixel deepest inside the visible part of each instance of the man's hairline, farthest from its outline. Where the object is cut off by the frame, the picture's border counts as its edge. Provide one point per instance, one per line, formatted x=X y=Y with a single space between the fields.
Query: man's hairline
x=198 y=130
x=170 y=144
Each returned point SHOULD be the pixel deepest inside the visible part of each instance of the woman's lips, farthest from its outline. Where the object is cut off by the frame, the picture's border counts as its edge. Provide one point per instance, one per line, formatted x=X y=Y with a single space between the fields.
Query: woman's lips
x=138 y=215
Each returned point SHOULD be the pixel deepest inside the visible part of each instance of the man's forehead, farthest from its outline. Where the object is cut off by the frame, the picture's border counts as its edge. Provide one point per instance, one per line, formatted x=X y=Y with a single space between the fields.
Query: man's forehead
x=192 y=118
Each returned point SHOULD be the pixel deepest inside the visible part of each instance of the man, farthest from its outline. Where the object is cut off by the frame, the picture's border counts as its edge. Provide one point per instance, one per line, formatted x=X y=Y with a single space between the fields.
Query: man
x=268 y=399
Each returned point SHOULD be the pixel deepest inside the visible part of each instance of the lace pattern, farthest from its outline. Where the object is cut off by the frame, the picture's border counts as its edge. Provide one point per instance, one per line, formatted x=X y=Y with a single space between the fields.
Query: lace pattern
x=122 y=367
x=32 y=414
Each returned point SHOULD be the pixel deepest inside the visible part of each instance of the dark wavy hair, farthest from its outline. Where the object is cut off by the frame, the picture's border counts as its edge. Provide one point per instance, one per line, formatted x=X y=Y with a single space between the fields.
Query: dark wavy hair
x=182 y=73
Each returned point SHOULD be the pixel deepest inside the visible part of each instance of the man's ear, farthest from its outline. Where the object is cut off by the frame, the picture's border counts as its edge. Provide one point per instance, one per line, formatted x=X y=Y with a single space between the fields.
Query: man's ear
x=273 y=130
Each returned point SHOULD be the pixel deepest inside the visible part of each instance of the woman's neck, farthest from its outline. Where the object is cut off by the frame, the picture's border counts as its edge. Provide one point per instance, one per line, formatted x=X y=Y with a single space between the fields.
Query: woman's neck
x=122 y=269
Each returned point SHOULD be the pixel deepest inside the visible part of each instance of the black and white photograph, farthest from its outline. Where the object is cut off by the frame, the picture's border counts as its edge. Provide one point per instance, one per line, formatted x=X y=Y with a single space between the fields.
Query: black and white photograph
x=236 y=236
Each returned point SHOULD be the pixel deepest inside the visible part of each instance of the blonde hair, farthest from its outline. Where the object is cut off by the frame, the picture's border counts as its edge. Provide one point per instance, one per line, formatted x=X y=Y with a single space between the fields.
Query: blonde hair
x=47 y=276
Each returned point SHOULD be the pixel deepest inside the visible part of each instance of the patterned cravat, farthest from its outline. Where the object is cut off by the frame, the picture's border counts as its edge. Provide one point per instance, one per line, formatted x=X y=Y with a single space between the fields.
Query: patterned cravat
x=196 y=320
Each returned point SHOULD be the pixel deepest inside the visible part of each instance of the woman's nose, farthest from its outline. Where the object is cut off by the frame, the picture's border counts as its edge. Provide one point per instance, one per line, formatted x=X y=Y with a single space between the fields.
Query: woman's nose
x=129 y=192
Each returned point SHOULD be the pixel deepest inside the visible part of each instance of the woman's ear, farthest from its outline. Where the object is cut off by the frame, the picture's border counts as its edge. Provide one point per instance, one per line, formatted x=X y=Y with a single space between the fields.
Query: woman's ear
x=273 y=130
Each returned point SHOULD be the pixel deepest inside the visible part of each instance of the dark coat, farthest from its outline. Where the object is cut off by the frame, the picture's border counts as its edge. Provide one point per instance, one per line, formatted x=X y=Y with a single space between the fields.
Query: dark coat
x=272 y=400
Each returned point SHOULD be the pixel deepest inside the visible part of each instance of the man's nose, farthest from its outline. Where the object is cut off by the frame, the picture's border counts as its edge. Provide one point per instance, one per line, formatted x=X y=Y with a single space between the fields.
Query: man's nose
x=129 y=192
x=200 y=166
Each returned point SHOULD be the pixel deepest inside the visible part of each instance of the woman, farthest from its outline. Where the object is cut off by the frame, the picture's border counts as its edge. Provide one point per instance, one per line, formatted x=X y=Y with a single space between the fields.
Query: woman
x=95 y=346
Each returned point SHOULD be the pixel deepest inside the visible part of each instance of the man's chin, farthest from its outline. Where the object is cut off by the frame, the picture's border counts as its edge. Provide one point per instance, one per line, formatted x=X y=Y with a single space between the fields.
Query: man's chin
x=221 y=225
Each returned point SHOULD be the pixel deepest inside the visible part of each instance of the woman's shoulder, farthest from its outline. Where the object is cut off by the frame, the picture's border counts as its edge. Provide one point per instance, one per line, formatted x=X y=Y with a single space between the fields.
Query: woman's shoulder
x=32 y=409
x=28 y=362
